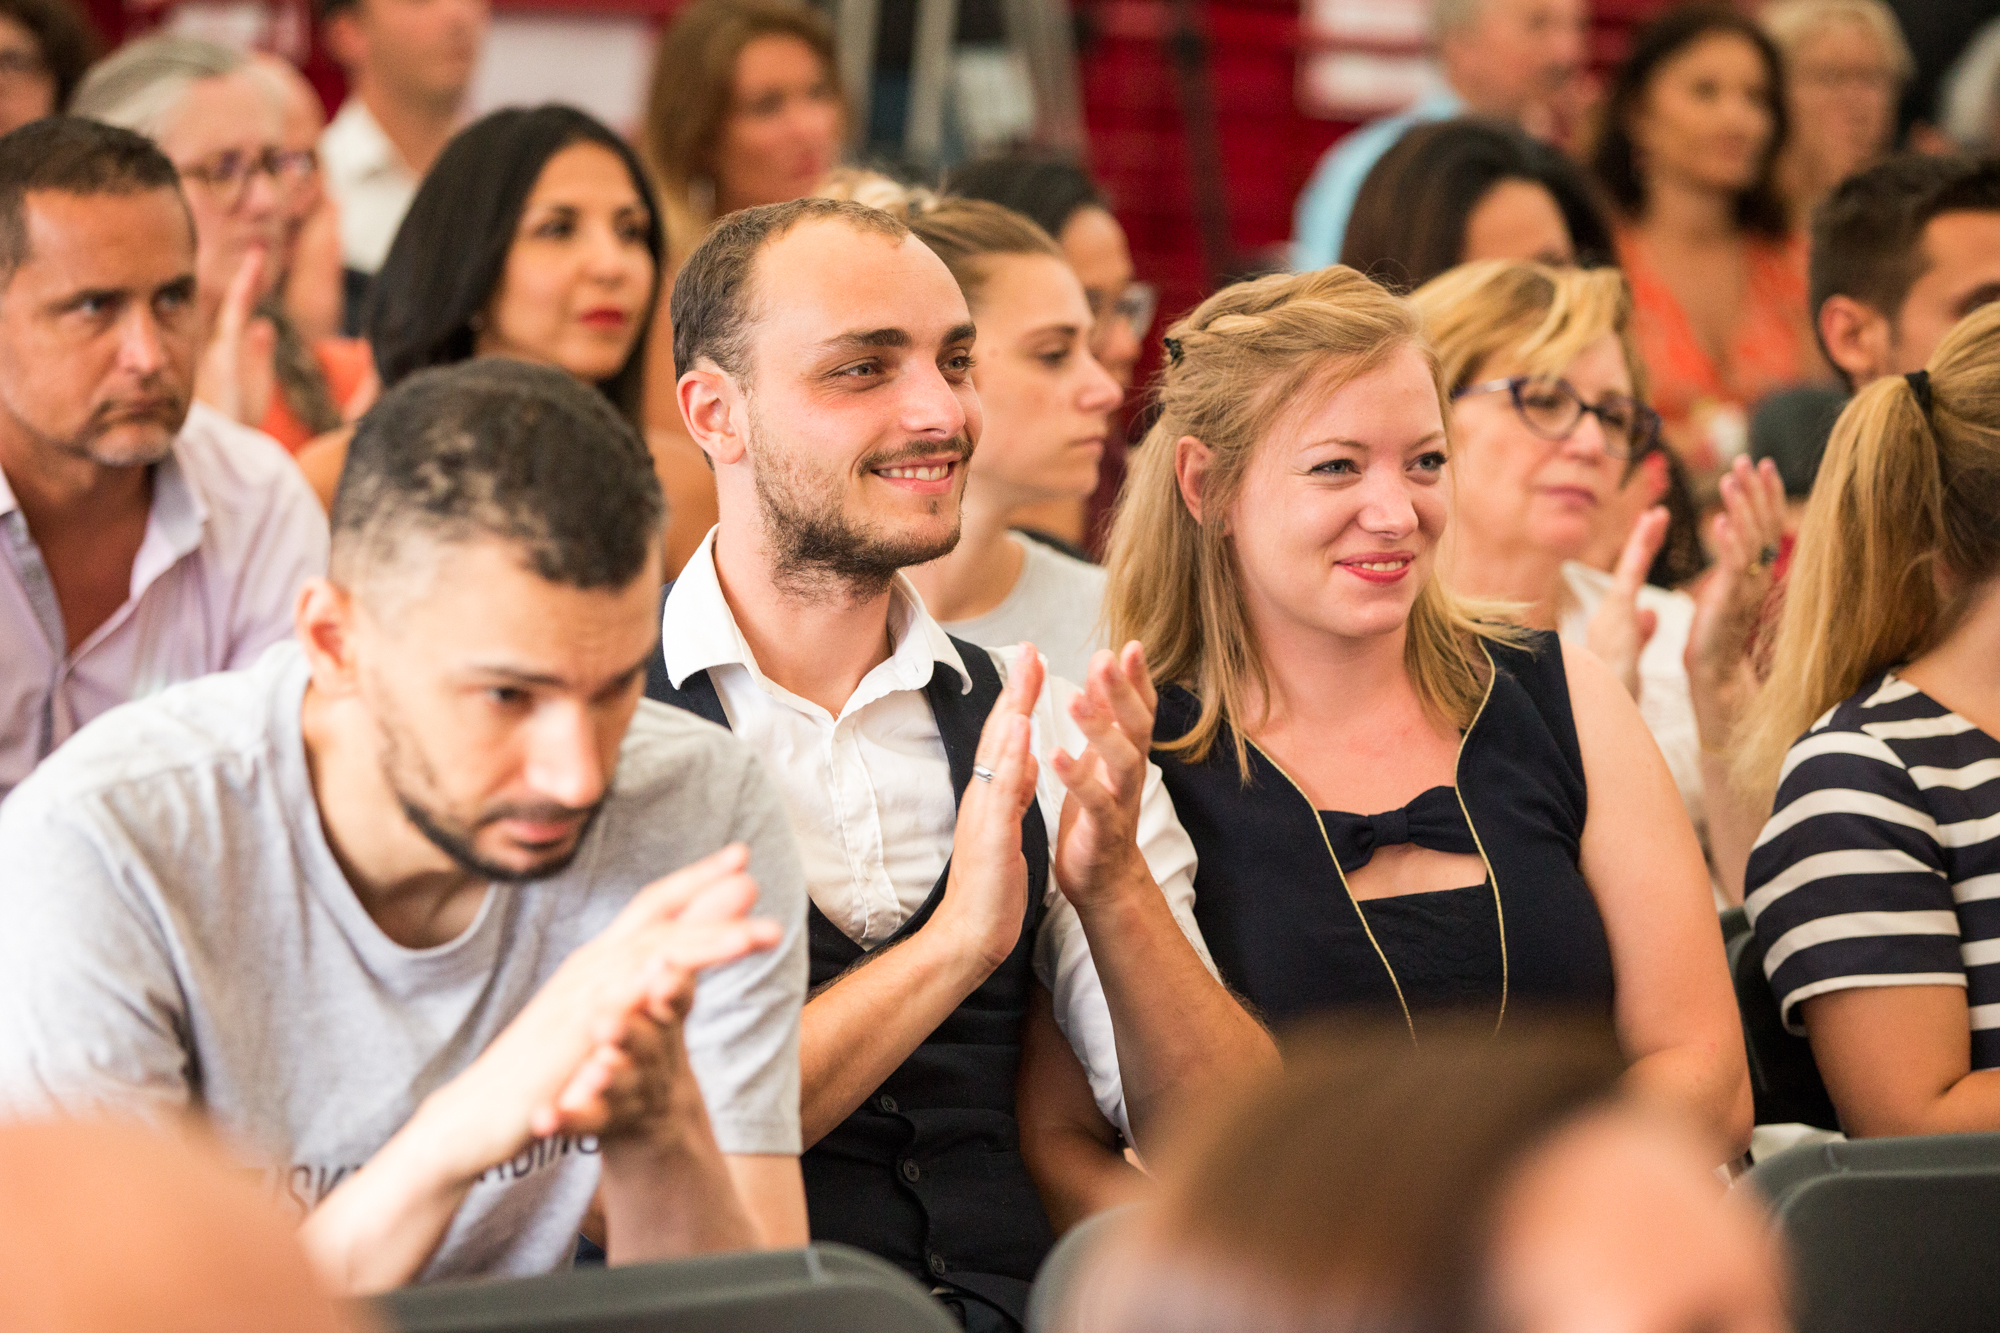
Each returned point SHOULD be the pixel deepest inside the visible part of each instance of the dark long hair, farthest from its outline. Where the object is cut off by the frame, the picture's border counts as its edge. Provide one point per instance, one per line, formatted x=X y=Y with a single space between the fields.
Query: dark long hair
x=452 y=248
x=1410 y=216
x=1759 y=209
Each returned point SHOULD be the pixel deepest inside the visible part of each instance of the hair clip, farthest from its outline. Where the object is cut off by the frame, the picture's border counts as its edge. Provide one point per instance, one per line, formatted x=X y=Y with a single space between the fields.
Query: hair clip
x=1920 y=386
x=1173 y=346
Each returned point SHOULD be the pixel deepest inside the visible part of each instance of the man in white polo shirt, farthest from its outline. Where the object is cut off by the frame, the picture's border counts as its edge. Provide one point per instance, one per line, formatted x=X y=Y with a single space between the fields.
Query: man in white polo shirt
x=142 y=541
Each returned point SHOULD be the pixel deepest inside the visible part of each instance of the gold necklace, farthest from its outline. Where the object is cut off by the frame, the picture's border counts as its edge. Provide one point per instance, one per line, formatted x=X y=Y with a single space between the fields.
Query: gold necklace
x=1500 y=914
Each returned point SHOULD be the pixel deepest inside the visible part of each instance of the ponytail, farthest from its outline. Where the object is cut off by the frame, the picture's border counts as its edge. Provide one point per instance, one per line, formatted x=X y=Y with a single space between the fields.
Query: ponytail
x=1903 y=528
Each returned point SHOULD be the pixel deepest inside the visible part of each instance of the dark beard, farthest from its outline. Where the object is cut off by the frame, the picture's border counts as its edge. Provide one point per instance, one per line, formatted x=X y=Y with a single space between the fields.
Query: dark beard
x=816 y=550
x=457 y=844
x=454 y=838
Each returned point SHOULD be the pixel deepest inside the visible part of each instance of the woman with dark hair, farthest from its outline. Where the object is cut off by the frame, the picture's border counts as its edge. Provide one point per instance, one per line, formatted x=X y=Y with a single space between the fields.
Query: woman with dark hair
x=1693 y=130
x=534 y=236
x=45 y=46
x=1459 y=190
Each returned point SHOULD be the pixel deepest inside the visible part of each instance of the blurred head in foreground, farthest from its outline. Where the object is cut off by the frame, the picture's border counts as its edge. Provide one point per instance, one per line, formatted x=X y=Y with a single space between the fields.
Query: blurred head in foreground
x=1477 y=1184
x=110 y=1228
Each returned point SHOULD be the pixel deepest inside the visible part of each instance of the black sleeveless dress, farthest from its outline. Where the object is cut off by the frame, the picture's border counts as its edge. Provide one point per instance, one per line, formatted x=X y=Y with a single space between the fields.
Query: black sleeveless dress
x=1287 y=936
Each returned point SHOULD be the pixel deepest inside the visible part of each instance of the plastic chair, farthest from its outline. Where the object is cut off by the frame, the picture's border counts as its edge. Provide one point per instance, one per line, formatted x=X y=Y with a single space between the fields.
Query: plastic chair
x=821 y=1289
x=1784 y=1080
x=1890 y=1234
x=1066 y=1262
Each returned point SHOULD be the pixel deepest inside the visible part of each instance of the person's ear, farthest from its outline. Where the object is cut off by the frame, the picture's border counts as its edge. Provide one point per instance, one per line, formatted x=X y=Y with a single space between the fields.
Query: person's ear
x=1857 y=338
x=1192 y=460
x=710 y=401
x=323 y=622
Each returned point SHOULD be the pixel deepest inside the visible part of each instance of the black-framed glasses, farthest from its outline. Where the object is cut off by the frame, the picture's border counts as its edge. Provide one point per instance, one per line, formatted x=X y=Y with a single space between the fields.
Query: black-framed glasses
x=1553 y=410
x=228 y=174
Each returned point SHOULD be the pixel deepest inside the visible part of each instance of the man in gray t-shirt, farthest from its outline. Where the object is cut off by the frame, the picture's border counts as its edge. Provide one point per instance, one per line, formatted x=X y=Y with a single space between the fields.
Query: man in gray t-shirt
x=386 y=907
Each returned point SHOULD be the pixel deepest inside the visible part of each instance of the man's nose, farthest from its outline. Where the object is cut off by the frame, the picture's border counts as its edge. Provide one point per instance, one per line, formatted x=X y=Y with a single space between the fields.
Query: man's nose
x=565 y=764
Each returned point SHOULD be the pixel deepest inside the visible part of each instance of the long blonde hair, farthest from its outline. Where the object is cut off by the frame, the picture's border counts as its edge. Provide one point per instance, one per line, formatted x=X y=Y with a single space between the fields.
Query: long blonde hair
x=1246 y=355
x=1902 y=529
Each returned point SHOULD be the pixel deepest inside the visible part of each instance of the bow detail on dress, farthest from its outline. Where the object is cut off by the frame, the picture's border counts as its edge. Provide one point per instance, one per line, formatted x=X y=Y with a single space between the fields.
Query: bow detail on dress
x=1433 y=820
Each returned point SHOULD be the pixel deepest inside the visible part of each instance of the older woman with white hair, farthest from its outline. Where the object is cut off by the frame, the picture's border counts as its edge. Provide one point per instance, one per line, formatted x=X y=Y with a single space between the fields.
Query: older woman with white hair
x=222 y=122
x=1846 y=63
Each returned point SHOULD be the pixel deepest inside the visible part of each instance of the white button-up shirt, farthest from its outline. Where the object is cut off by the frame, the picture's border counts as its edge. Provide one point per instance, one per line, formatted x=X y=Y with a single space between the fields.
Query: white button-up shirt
x=369 y=180
x=234 y=529
x=870 y=795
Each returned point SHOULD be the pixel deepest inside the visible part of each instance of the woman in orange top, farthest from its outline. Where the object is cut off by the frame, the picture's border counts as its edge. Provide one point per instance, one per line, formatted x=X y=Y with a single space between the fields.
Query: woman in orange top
x=1692 y=135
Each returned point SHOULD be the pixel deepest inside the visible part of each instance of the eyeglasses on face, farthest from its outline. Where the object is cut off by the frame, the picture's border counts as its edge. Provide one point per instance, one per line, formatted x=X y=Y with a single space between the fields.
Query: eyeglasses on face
x=1552 y=409
x=1133 y=307
x=228 y=174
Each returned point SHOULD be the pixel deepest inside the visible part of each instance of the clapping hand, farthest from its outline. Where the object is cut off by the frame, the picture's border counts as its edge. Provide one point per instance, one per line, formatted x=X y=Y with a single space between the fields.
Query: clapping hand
x=1745 y=537
x=589 y=1053
x=1097 y=845
x=237 y=374
x=986 y=895
x=1620 y=629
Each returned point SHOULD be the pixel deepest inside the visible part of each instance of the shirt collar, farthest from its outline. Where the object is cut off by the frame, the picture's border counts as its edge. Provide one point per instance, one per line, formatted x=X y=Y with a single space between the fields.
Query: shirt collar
x=175 y=523
x=698 y=631
x=359 y=138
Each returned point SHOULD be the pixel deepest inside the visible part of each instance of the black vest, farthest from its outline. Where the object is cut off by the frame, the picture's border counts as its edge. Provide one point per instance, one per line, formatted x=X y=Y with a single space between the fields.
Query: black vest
x=927 y=1172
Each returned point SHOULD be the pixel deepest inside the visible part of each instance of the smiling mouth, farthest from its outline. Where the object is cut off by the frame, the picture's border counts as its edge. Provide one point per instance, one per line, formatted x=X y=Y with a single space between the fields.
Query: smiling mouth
x=1377 y=566
x=917 y=471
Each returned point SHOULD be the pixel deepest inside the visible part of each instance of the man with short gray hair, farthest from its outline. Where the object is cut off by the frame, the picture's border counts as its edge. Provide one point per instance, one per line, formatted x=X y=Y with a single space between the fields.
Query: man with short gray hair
x=1504 y=59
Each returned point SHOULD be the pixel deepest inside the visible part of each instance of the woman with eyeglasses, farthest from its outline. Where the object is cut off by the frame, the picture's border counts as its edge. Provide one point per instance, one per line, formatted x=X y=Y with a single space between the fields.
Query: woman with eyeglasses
x=1547 y=389
x=221 y=120
x=1402 y=804
x=1062 y=199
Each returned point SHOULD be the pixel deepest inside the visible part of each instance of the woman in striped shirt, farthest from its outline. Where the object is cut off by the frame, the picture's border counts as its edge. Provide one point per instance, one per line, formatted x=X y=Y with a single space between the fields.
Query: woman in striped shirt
x=1875 y=888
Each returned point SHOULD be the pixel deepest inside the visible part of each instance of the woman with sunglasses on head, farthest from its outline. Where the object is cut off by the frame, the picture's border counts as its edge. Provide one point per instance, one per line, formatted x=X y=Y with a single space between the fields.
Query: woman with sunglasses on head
x=1400 y=804
x=1547 y=394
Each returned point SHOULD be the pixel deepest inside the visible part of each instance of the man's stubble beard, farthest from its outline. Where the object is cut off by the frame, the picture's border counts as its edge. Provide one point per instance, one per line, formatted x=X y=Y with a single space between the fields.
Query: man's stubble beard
x=817 y=551
x=453 y=836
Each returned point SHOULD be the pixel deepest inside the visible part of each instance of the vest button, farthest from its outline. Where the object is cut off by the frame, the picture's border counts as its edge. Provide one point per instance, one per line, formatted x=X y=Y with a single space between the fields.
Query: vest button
x=910 y=1171
x=887 y=1103
x=937 y=1264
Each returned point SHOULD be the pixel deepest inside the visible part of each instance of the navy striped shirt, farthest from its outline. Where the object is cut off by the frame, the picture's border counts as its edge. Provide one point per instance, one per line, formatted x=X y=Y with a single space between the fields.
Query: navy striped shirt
x=1881 y=863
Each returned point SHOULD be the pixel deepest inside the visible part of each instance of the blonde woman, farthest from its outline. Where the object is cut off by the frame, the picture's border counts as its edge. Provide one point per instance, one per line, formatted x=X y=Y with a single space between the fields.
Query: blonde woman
x=1398 y=806
x=1548 y=394
x=1875 y=888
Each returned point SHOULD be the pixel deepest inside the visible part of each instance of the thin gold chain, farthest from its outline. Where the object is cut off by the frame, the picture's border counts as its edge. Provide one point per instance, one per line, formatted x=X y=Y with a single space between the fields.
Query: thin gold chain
x=1408 y=1020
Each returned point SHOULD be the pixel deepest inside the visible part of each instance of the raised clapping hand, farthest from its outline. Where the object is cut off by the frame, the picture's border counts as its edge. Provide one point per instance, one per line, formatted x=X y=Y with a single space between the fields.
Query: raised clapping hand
x=1097 y=846
x=986 y=895
x=598 y=1047
x=1744 y=538
x=1620 y=629
x=236 y=375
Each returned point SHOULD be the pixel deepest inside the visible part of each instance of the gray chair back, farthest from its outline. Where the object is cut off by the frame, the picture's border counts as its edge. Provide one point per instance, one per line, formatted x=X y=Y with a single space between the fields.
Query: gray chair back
x=1890 y=1234
x=820 y=1289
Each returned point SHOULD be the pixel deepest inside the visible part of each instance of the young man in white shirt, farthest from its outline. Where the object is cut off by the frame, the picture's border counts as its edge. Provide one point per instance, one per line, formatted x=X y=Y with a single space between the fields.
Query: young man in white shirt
x=142 y=541
x=385 y=907
x=824 y=356
x=409 y=64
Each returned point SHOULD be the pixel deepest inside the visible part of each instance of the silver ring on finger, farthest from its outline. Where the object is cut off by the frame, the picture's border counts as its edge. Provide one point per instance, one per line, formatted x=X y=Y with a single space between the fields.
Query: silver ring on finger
x=982 y=772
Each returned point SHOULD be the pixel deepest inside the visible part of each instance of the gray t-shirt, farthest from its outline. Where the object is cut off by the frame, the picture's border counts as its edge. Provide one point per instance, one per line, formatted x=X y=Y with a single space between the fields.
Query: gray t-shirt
x=178 y=933
x=1054 y=605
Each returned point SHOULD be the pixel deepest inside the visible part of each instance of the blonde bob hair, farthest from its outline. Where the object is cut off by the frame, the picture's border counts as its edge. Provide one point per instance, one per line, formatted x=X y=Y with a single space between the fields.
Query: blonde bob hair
x=1506 y=317
x=1247 y=357
x=1902 y=531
